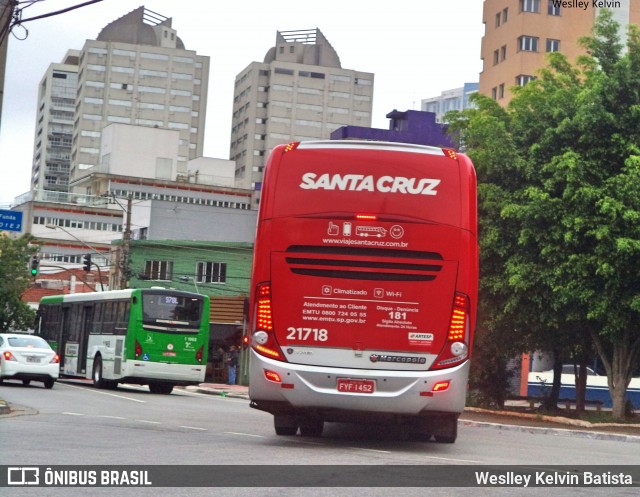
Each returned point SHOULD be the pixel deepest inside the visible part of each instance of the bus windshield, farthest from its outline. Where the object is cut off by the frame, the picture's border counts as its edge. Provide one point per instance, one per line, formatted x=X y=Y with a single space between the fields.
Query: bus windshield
x=177 y=310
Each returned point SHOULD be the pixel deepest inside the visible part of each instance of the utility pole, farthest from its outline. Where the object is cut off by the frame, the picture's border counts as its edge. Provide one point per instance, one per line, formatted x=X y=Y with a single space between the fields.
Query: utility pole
x=126 y=242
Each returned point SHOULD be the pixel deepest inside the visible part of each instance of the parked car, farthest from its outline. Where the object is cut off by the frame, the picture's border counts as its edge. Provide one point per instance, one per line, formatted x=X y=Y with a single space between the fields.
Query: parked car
x=27 y=358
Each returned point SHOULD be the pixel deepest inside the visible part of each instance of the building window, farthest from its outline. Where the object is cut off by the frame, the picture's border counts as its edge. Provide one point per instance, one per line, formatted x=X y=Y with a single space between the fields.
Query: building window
x=529 y=5
x=503 y=53
x=158 y=270
x=528 y=43
x=496 y=57
x=494 y=92
x=501 y=91
x=505 y=14
x=553 y=8
x=553 y=45
x=211 y=272
x=498 y=19
x=523 y=79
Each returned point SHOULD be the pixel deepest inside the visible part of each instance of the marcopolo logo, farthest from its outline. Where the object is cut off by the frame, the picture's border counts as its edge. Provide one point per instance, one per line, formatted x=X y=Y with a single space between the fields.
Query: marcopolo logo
x=362 y=183
x=397 y=358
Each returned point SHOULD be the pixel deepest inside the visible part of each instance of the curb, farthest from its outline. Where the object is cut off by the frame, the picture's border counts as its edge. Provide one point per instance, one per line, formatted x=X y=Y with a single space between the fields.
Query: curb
x=554 y=419
x=222 y=392
x=591 y=435
x=4 y=407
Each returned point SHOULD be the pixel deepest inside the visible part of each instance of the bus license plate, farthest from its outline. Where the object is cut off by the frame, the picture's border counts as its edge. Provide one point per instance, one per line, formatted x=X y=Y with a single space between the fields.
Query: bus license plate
x=356 y=386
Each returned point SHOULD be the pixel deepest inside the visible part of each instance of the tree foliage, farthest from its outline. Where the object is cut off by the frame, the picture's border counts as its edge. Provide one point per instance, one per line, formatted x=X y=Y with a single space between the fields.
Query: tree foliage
x=15 y=255
x=559 y=208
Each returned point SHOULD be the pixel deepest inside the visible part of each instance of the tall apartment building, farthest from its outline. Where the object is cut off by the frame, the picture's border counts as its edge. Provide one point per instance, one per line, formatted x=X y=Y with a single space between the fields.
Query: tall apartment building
x=519 y=34
x=454 y=99
x=138 y=72
x=299 y=92
x=54 y=125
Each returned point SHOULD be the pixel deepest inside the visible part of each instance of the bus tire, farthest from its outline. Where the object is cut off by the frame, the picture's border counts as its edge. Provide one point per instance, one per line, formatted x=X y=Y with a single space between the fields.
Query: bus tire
x=98 y=381
x=161 y=388
x=285 y=425
x=450 y=432
x=26 y=383
x=311 y=428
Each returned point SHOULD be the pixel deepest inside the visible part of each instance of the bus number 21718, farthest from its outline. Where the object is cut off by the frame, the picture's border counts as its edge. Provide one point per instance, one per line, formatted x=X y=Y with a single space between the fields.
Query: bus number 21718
x=303 y=334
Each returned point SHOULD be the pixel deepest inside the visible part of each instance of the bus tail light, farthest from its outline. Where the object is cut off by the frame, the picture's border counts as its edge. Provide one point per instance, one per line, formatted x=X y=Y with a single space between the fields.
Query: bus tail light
x=449 y=152
x=366 y=217
x=455 y=349
x=441 y=386
x=138 y=349
x=263 y=340
x=291 y=146
x=199 y=354
x=272 y=376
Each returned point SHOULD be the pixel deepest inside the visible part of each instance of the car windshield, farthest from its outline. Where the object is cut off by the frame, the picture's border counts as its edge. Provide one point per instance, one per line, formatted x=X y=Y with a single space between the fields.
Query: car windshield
x=29 y=342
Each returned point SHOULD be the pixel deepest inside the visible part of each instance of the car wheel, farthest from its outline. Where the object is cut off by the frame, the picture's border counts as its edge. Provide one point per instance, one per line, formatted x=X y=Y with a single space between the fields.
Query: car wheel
x=49 y=383
x=98 y=381
x=26 y=383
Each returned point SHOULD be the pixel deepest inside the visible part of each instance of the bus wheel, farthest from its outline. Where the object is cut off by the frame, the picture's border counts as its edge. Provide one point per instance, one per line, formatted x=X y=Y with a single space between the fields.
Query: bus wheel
x=26 y=383
x=449 y=433
x=311 y=428
x=285 y=425
x=98 y=381
x=162 y=388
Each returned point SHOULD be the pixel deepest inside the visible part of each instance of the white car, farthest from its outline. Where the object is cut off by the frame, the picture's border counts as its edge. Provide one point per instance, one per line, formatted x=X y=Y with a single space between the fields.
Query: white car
x=27 y=358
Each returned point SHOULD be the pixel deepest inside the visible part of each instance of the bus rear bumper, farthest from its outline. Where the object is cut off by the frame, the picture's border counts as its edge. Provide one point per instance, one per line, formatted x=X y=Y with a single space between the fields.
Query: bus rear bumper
x=313 y=391
x=179 y=374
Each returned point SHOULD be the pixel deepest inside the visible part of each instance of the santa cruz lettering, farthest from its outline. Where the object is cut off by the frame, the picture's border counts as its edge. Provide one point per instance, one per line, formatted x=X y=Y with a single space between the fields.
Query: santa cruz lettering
x=360 y=182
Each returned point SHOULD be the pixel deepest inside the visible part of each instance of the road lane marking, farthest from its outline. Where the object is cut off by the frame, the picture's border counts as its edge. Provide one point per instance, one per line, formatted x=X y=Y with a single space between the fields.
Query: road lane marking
x=72 y=413
x=371 y=450
x=147 y=421
x=243 y=434
x=455 y=460
x=105 y=393
x=193 y=428
x=111 y=417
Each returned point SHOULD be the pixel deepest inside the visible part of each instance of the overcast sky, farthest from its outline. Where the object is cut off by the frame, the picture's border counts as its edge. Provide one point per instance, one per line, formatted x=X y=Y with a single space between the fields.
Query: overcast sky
x=415 y=49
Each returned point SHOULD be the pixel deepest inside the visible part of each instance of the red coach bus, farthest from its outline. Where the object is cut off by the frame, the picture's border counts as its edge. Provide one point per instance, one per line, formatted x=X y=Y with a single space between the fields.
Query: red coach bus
x=364 y=287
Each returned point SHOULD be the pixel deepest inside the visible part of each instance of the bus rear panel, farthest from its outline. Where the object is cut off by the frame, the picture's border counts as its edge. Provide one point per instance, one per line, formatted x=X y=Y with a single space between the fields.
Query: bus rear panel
x=364 y=286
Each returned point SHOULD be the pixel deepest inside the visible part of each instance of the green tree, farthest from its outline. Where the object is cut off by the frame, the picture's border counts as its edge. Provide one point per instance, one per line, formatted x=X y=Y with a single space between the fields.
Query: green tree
x=15 y=278
x=559 y=192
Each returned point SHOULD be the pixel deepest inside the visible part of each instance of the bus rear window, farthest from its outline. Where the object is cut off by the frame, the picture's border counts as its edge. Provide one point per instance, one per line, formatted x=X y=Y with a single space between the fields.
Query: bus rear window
x=171 y=309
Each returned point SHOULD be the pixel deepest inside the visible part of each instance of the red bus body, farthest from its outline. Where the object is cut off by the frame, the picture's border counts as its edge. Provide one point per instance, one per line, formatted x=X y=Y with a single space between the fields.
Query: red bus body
x=364 y=286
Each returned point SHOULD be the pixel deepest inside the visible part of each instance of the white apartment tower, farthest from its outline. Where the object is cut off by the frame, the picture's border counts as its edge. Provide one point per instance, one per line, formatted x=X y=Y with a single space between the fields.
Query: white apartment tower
x=138 y=72
x=54 y=125
x=299 y=92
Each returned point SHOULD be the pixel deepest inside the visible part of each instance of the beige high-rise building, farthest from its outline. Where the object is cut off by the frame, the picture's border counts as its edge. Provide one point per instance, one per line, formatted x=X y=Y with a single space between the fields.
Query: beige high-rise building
x=299 y=92
x=138 y=72
x=520 y=33
x=54 y=125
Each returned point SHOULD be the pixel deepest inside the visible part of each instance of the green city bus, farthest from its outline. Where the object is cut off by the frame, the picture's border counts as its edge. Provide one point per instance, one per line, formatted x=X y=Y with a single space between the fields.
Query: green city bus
x=152 y=336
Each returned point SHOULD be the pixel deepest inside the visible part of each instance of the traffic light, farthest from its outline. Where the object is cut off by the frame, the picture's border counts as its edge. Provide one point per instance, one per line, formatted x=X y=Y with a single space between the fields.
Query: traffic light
x=86 y=260
x=35 y=265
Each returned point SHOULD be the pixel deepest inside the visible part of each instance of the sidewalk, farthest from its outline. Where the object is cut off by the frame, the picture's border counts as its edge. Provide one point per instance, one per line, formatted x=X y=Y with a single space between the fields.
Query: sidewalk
x=233 y=391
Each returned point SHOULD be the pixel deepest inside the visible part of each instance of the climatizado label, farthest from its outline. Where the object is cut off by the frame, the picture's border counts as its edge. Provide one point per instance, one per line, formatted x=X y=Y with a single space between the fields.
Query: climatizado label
x=360 y=182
